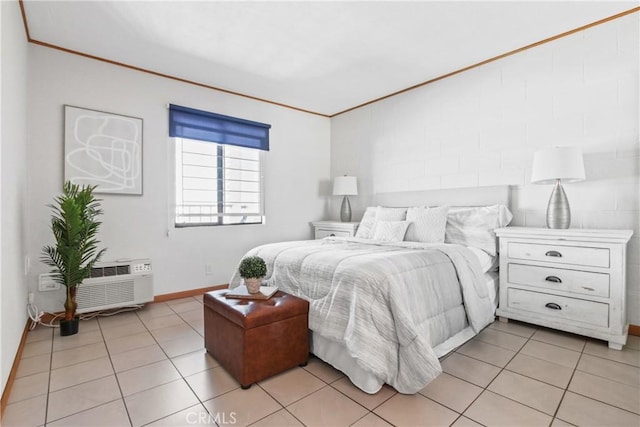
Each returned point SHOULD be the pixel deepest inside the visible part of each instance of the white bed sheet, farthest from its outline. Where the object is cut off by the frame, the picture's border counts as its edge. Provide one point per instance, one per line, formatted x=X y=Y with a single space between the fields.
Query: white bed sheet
x=337 y=355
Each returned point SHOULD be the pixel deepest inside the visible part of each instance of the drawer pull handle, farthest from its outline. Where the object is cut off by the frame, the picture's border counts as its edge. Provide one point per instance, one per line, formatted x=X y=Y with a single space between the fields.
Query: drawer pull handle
x=332 y=235
x=554 y=279
x=553 y=305
x=588 y=289
x=555 y=254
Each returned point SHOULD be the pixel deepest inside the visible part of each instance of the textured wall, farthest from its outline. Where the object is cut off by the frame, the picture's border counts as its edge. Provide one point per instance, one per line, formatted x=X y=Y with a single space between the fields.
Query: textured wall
x=481 y=128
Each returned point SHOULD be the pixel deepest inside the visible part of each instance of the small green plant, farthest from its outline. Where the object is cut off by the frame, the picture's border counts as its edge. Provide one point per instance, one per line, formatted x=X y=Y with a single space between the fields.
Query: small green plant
x=252 y=266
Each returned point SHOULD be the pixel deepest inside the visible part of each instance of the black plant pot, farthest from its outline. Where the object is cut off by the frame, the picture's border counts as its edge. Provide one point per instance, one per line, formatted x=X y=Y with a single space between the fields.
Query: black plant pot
x=69 y=327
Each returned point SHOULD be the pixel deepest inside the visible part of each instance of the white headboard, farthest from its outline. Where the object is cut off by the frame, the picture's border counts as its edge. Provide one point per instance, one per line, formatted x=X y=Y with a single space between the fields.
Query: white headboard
x=471 y=196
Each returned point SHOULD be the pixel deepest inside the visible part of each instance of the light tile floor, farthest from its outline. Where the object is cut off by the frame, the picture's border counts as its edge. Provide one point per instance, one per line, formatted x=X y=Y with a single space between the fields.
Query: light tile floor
x=149 y=368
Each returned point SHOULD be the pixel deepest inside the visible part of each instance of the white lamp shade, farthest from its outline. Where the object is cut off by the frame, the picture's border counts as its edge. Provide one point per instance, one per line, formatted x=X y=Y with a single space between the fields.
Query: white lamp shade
x=564 y=163
x=345 y=186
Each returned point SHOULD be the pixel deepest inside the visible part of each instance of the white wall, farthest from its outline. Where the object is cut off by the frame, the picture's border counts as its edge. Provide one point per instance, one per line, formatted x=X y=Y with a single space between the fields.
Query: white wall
x=481 y=128
x=296 y=171
x=13 y=184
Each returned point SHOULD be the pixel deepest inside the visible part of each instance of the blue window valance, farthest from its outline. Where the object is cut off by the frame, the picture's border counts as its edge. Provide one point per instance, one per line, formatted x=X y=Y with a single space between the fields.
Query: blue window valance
x=205 y=126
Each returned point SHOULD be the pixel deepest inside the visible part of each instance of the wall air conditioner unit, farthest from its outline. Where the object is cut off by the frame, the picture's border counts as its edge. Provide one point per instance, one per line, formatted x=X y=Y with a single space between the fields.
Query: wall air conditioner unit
x=116 y=284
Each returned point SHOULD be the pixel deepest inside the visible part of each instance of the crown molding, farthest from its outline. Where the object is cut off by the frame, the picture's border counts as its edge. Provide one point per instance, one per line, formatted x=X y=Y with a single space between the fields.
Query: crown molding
x=495 y=58
x=279 y=104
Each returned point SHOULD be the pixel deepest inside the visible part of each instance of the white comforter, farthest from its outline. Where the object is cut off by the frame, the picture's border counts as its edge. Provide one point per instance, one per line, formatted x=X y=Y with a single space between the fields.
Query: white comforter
x=372 y=297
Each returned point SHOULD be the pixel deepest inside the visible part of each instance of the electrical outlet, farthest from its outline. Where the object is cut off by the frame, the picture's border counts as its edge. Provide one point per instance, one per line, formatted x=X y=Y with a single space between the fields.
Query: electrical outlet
x=46 y=283
x=27 y=265
x=30 y=298
x=208 y=269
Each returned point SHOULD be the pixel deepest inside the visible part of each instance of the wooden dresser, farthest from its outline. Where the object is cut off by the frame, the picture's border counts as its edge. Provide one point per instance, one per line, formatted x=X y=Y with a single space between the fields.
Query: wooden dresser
x=573 y=280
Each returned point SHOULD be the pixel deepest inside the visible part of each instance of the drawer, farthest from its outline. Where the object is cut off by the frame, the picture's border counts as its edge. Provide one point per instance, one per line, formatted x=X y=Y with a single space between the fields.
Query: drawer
x=576 y=255
x=554 y=306
x=321 y=233
x=579 y=282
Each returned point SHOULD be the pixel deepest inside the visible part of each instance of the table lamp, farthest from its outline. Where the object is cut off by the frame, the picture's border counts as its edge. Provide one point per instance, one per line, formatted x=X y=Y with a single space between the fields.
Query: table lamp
x=553 y=165
x=345 y=186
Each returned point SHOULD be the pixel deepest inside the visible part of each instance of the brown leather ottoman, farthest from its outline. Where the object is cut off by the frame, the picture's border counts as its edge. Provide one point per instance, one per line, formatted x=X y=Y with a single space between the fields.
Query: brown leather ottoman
x=254 y=339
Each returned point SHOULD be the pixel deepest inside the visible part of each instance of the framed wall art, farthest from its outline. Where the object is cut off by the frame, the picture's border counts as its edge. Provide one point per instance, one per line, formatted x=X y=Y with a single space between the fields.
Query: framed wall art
x=103 y=149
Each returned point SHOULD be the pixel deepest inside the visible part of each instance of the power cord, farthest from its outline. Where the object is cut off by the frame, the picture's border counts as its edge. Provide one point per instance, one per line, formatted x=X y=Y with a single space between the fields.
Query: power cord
x=36 y=316
x=110 y=312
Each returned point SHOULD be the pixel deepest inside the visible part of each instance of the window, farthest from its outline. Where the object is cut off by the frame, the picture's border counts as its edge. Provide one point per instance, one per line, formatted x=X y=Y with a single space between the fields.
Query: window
x=218 y=165
x=217 y=184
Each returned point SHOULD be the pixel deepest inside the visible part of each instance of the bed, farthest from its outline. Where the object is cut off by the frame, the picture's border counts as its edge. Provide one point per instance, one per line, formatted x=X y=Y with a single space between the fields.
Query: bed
x=383 y=309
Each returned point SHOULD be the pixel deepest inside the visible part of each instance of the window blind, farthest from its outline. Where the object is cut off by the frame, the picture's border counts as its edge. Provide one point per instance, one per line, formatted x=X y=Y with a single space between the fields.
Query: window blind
x=211 y=127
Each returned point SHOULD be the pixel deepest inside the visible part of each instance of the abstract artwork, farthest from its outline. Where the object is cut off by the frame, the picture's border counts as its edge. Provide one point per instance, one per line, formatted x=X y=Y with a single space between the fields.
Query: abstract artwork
x=103 y=149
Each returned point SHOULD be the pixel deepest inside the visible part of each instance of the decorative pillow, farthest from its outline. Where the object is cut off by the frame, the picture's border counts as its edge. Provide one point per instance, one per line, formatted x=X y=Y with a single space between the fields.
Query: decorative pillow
x=473 y=226
x=427 y=225
x=366 y=229
x=390 y=231
x=368 y=221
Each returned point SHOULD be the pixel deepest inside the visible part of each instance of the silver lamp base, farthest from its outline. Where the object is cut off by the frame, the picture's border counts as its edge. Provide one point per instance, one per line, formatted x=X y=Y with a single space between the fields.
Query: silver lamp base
x=558 y=212
x=345 y=210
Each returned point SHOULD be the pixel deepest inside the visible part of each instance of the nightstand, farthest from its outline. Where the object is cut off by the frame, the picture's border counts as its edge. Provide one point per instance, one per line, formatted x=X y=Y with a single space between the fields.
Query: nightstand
x=573 y=280
x=334 y=228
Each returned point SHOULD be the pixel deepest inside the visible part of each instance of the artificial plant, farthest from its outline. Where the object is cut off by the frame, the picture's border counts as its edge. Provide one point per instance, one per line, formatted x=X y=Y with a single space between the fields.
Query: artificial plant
x=252 y=266
x=75 y=226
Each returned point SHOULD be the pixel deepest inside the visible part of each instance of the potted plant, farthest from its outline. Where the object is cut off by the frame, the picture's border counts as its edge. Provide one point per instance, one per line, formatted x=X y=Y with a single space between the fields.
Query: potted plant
x=75 y=227
x=252 y=269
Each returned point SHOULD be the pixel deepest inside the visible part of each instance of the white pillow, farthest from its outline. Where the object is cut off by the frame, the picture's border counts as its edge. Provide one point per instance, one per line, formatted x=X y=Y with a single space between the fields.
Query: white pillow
x=366 y=229
x=391 y=214
x=390 y=231
x=473 y=226
x=368 y=221
x=427 y=224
